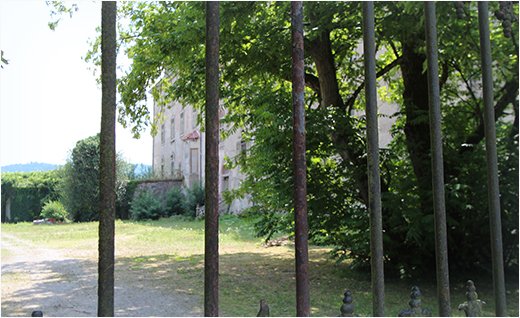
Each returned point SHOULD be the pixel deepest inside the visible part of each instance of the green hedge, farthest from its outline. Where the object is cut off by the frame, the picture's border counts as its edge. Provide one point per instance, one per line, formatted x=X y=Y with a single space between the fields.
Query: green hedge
x=28 y=192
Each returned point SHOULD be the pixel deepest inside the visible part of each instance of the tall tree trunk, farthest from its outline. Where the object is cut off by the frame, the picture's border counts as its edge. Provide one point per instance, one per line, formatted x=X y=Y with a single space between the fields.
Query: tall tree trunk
x=417 y=128
x=301 y=227
x=320 y=50
x=211 y=256
x=107 y=162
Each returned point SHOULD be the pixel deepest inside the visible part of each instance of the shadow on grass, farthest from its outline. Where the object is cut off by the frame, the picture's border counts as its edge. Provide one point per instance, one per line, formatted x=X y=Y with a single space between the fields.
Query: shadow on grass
x=68 y=288
x=171 y=285
x=245 y=278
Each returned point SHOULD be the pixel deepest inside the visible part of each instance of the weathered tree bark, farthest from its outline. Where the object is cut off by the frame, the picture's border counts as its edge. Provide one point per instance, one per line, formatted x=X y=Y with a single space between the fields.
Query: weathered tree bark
x=321 y=52
x=301 y=226
x=211 y=256
x=510 y=90
x=107 y=161
x=417 y=128
x=374 y=182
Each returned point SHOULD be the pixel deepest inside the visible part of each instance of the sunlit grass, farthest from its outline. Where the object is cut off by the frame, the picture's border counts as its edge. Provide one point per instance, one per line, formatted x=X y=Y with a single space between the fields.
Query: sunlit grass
x=169 y=253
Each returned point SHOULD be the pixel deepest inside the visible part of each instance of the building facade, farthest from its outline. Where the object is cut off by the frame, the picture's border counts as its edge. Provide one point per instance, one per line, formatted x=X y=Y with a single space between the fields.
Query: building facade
x=178 y=152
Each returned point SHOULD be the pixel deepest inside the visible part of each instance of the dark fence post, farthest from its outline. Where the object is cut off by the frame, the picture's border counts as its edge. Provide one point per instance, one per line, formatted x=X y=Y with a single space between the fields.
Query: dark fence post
x=492 y=165
x=347 y=308
x=212 y=161
x=374 y=183
x=415 y=304
x=439 y=206
x=107 y=166
x=472 y=306
x=300 y=165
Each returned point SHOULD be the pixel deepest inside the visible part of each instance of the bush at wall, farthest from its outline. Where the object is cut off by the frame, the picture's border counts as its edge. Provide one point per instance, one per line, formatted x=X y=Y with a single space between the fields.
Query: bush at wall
x=27 y=192
x=175 y=202
x=54 y=210
x=145 y=206
x=195 y=197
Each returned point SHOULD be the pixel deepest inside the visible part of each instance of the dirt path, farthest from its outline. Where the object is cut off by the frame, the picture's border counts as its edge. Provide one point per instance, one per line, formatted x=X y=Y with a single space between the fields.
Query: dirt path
x=39 y=278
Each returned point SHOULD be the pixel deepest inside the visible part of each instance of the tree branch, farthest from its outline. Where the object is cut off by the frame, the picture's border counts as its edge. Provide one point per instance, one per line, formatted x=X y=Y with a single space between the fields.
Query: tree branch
x=470 y=90
x=351 y=100
x=510 y=94
x=445 y=74
x=312 y=82
x=394 y=49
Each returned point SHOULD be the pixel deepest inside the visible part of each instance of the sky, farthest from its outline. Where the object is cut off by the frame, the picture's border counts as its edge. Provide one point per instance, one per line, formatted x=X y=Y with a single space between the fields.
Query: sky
x=49 y=98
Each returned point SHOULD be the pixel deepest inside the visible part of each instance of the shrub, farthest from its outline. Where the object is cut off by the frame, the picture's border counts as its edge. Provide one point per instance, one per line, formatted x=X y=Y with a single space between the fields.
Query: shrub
x=194 y=197
x=124 y=199
x=145 y=206
x=28 y=192
x=79 y=188
x=175 y=202
x=54 y=210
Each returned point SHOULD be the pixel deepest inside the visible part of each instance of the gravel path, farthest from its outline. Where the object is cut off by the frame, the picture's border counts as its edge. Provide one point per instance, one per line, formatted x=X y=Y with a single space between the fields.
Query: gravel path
x=39 y=278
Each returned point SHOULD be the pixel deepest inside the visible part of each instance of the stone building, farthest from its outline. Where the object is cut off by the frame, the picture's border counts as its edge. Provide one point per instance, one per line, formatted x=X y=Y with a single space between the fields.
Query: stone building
x=178 y=152
x=178 y=148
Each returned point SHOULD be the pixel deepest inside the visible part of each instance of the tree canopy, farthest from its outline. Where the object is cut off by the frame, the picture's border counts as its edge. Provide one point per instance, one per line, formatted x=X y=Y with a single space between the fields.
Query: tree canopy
x=79 y=187
x=165 y=41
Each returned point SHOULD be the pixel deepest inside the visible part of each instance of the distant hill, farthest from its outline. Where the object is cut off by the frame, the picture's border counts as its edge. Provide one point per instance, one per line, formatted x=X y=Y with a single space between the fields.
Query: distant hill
x=140 y=170
x=29 y=167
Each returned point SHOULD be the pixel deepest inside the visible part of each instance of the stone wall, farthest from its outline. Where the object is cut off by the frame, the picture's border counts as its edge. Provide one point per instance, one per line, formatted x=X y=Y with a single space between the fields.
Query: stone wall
x=159 y=188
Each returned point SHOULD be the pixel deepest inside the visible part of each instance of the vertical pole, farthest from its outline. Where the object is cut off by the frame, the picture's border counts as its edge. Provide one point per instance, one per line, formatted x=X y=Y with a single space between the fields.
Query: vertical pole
x=374 y=182
x=212 y=161
x=107 y=179
x=300 y=165
x=492 y=165
x=439 y=206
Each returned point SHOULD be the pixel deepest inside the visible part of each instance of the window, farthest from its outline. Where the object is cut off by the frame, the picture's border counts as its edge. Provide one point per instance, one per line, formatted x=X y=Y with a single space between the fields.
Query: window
x=225 y=183
x=172 y=164
x=162 y=167
x=182 y=123
x=172 y=129
x=162 y=134
x=194 y=161
x=194 y=119
x=241 y=147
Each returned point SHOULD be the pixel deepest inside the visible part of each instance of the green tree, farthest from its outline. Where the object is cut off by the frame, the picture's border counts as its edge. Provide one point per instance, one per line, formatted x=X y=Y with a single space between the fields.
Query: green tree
x=80 y=190
x=168 y=38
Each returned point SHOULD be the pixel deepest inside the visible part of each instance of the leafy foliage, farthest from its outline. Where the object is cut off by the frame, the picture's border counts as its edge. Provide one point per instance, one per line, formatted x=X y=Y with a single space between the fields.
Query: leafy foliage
x=3 y=60
x=175 y=202
x=166 y=43
x=28 y=191
x=58 y=9
x=194 y=197
x=54 y=210
x=145 y=206
x=80 y=185
x=124 y=199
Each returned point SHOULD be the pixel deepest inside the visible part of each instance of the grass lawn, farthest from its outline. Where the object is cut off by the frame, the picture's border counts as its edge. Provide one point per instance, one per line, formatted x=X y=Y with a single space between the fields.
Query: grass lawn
x=170 y=252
